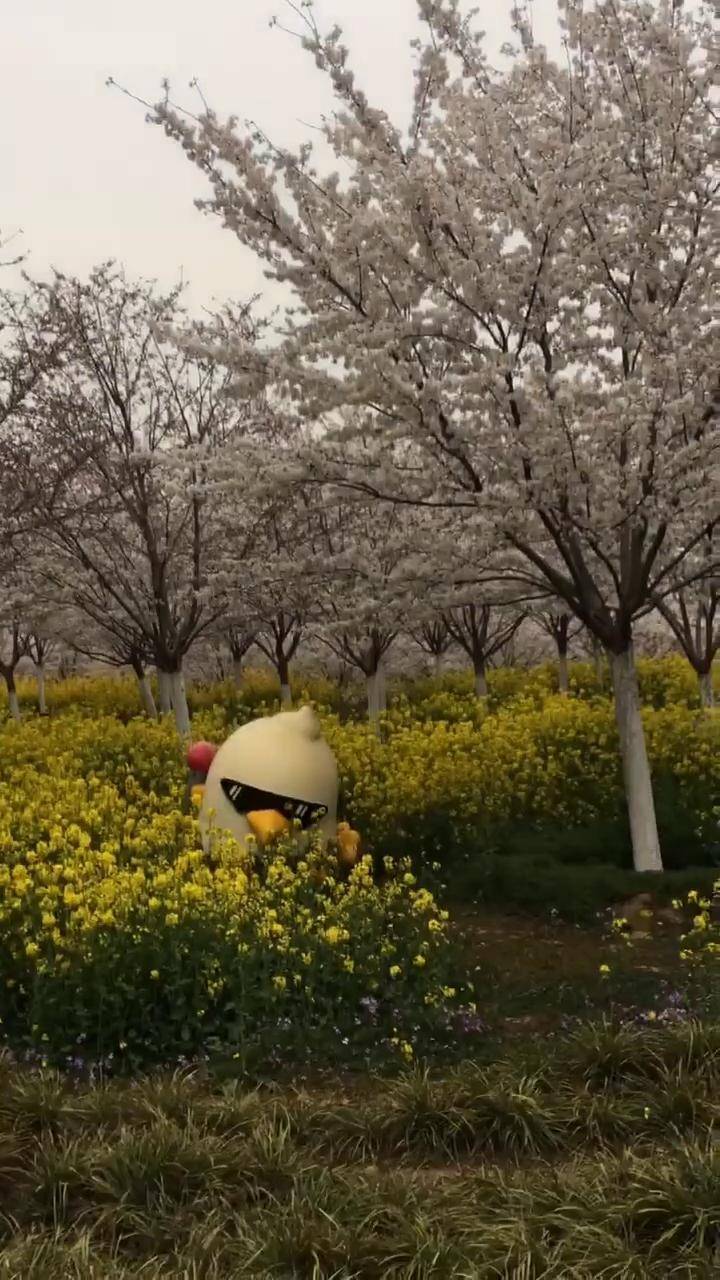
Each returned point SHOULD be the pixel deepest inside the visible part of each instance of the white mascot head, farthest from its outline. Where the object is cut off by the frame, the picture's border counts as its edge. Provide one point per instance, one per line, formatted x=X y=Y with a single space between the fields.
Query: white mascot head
x=268 y=774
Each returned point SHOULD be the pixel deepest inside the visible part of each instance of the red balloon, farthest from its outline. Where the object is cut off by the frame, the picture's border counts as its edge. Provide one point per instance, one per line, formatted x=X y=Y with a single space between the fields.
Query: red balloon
x=200 y=756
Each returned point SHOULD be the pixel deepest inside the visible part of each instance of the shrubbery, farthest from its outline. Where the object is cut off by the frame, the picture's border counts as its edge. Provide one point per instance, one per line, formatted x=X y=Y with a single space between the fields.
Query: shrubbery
x=453 y=789
x=118 y=935
x=663 y=682
x=701 y=945
x=160 y=959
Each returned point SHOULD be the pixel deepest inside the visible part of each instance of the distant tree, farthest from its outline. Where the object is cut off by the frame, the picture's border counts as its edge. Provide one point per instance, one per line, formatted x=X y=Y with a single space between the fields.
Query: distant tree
x=366 y=586
x=130 y=425
x=560 y=625
x=433 y=638
x=693 y=615
x=239 y=639
x=481 y=631
x=39 y=647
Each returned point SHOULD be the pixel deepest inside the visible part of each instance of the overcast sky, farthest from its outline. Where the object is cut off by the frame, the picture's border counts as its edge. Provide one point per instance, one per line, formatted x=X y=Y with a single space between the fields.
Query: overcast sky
x=85 y=178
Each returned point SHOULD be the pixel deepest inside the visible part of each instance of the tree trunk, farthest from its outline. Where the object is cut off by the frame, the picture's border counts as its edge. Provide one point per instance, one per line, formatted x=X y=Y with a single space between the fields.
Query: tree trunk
x=146 y=695
x=636 y=766
x=437 y=665
x=283 y=670
x=164 y=692
x=381 y=688
x=707 y=696
x=374 y=698
x=42 y=700
x=13 y=704
x=598 y=660
x=563 y=674
x=180 y=702
x=237 y=671
x=481 y=688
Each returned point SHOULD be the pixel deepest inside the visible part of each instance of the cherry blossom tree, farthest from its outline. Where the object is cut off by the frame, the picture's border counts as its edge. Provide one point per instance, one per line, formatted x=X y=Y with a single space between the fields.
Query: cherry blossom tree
x=560 y=625
x=73 y=608
x=16 y=589
x=40 y=646
x=366 y=583
x=239 y=639
x=481 y=631
x=128 y=427
x=692 y=614
x=13 y=648
x=92 y=626
x=519 y=296
x=433 y=637
x=32 y=345
x=268 y=594
x=278 y=639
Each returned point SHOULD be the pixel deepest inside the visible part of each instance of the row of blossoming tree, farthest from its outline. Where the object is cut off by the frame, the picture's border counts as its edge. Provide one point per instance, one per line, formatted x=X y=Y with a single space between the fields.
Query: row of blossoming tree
x=494 y=390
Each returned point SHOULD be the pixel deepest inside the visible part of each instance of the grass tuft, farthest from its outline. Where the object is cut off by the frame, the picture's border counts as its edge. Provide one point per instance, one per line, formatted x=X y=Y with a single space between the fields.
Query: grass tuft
x=600 y=1161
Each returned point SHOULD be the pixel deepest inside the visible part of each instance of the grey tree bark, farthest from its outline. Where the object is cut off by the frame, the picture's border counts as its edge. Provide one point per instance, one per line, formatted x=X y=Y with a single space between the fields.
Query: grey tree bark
x=635 y=763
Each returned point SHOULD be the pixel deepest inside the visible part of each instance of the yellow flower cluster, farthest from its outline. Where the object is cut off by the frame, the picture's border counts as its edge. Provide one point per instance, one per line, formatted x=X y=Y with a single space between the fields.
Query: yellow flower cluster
x=83 y=695
x=426 y=784
x=116 y=927
x=119 y=696
x=664 y=682
x=701 y=945
x=112 y=918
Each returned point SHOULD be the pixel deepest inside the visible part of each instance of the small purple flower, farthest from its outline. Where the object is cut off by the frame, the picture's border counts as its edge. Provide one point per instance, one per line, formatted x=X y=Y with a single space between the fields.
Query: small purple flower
x=369 y=1006
x=467 y=1022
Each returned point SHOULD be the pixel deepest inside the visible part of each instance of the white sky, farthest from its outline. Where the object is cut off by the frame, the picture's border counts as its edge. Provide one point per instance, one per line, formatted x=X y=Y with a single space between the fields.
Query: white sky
x=85 y=178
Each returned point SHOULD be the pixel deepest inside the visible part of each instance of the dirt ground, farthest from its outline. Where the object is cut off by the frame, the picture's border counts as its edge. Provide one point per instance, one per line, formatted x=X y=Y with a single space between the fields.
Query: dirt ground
x=530 y=975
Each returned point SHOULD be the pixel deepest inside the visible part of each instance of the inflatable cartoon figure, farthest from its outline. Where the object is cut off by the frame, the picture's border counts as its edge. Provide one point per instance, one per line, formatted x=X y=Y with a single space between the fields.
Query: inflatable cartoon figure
x=268 y=775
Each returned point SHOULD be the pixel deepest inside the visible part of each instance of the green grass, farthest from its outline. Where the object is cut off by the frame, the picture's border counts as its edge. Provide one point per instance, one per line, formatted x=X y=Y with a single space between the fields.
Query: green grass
x=589 y=1155
x=541 y=885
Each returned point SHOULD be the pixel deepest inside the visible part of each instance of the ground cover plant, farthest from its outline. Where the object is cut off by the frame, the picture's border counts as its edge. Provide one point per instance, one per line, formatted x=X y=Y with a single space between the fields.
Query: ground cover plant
x=591 y=1157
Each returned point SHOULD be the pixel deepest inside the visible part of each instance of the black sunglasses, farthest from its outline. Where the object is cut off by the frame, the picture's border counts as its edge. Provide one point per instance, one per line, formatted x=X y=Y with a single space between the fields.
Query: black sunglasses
x=245 y=799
